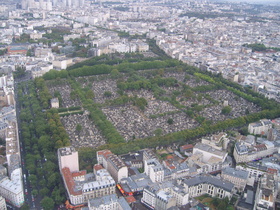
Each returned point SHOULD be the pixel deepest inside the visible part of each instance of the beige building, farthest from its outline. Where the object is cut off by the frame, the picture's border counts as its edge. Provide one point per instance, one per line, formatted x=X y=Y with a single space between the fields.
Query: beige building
x=208 y=185
x=80 y=186
x=208 y=159
x=260 y=128
x=62 y=63
x=68 y=157
x=54 y=103
x=154 y=170
x=238 y=177
x=115 y=166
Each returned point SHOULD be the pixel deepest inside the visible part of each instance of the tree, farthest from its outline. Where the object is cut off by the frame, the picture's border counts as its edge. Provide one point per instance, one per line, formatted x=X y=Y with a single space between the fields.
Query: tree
x=158 y=132
x=170 y=121
x=226 y=110
x=115 y=73
x=107 y=94
x=24 y=207
x=89 y=94
x=44 y=191
x=78 y=127
x=34 y=192
x=47 y=203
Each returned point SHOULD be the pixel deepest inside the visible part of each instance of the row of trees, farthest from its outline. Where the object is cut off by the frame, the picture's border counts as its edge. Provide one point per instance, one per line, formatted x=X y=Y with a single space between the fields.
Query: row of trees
x=112 y=59
x=178 y=137
x=251 y=96
x=40 y=147
x=106 y=69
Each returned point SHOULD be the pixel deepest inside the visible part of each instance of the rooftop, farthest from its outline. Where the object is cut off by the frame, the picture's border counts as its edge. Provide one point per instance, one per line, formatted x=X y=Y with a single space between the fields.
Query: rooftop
x=66 y=151
x=236 y=173
x=209 y=180
x=116 y=161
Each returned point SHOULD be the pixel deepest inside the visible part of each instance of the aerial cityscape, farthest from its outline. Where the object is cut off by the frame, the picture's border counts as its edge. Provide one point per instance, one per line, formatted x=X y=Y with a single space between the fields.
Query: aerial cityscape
x=147 y=104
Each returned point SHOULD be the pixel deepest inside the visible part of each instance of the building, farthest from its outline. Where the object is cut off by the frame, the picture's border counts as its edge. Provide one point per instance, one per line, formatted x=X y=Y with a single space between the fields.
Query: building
x=187 y=148
x=238 y=177
x=240 y=152
x=115 y=166
x=156 y=198
x=260 y=128
x=12 y=189
x=208 y=185
x=164 y=200
x=266 y=193
x=208 y=159
x=102 y=157
x=68 y=158
x=81 y=187
x=3 y=205
x=103 y=185
x=244 y=153
x=17 y=49
x=219 y=141
x=134 y=185
x=111 y=202
x=247 y=201
x=54 y=103
x=62 y=63
x=154 y=170
x=255 y=170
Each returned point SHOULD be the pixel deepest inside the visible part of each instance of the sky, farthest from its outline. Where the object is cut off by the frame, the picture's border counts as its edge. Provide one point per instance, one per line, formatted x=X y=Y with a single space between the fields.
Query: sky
x=256 y=1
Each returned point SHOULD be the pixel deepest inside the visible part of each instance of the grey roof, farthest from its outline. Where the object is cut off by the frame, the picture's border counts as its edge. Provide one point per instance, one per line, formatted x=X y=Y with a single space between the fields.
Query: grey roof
x=236 y=173
x=123 y=203
x=250 y=197
x=136 y=181
x=241 y=148
x=209 y=180
x=106 y=200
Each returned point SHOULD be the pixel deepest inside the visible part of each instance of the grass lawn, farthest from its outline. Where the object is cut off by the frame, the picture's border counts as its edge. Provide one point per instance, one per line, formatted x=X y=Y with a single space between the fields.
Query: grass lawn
x=207 y=201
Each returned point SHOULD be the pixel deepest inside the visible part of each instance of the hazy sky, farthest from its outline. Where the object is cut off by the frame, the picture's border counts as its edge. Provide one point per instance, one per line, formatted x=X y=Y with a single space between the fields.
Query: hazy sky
x=256 y=1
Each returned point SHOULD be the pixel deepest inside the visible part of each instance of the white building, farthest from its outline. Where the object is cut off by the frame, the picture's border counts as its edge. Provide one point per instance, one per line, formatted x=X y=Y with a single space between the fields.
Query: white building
x=208 y=158
x=154 y=170
x=156 y=198
x=62 y=63
x=3 y=205
x=244 y=153
x=260 y=128
x=111 y=202
x=54 y=103
x=68 y=157
x=208 y=185
x=115 y=166
x=12 y=189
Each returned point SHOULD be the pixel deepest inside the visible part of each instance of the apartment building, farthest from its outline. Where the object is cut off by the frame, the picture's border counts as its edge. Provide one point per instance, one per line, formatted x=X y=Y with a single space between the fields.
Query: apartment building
x=111 y=202
x=114 y=164
x=12 y=189
x=260 y=128
x=238 y=177
x=68 y=158
x=154 y=170
x=208 y=185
